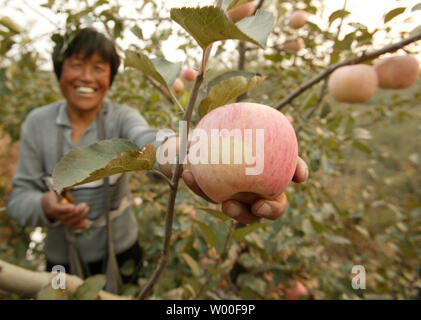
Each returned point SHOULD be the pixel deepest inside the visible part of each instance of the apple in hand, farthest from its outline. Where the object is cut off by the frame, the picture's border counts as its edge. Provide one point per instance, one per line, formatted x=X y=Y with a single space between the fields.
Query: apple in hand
x=298 y=19
x=243 y=151
x=241 y=12
x=397 y=72
x=353 y=84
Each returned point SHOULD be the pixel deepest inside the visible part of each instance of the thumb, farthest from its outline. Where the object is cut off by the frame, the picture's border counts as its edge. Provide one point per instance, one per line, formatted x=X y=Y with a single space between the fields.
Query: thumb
x=190 y=181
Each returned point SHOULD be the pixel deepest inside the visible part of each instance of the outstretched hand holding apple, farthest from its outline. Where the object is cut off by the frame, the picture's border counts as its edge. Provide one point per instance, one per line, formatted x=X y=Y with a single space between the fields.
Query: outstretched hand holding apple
x=242 y=155
x=260 y=208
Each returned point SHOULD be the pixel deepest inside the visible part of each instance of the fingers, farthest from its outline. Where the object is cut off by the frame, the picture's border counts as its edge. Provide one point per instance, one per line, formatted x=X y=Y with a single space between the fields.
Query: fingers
x=270 y=209
x=192 y=184
x=238 y=211
x=73 y=216
x=301 y=172
x=263 y=208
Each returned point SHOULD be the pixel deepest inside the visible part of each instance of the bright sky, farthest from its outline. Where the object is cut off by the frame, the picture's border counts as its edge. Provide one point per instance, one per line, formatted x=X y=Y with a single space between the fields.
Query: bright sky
x=29 y=15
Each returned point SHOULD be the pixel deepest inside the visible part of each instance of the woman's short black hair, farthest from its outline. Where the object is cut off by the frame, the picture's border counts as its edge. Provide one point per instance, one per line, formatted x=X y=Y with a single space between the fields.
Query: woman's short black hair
x=86 y=42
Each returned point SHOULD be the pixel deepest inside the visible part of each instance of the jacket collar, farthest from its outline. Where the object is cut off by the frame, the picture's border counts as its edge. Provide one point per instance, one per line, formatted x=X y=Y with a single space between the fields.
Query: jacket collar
x=62 y=118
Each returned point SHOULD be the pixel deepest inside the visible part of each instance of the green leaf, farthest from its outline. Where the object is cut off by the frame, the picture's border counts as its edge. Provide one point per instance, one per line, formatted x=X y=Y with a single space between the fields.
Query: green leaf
x=192 y=264
x=325 y=110
x=334 y=123
x=128 y=268
x=10 y=24
x=48 y=293
x=361 y=146
x=241 y=233
x=90 y=289
x=349 y=126
x=161 y=70
x=337 y=239
x=105 y=158
x=227 y=88
x=361 y=134
x=416 y=7
x=415 y=31
x=347 y=41
x=393 y=13
x=210 y=24
x=208 y=234
x=217 y=214
x=357 y=25
x=310 y=100
x=49 y=4
x=338 y=14
x=118 y=28
x=137 y=31
x=318 y=227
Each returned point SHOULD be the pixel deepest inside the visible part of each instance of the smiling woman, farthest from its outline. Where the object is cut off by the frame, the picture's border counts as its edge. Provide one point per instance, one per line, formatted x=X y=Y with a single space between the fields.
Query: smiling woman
x=85 y=63
x=85 y=75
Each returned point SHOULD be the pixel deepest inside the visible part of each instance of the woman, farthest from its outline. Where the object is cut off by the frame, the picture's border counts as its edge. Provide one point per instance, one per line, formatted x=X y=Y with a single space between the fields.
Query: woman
x=85 y=68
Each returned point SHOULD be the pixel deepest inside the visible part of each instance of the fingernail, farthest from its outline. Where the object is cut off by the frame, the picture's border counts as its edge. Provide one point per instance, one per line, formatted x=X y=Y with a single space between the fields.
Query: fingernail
x=233 y=210
x=303 y=169
x=263 y=210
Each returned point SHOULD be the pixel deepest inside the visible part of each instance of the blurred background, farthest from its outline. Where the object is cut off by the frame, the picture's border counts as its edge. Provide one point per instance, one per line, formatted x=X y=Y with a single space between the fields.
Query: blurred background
x=360 y=206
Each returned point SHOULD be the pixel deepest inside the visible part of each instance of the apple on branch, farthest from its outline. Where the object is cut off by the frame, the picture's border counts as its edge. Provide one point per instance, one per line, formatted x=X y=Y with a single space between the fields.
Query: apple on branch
x=397 y=72
x=177 y=88
x=293 y=45
x=353 y=84
x=189 y=74
x=298 y=19
x=241 y=12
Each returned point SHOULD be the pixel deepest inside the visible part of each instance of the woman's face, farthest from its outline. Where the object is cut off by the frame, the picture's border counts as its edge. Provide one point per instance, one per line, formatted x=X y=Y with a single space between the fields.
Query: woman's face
x=84 y=82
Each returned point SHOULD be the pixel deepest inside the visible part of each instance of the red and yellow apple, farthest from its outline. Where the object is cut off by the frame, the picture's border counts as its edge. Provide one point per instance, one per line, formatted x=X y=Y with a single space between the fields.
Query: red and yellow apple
x=177 y=88
x=241 y=12
x=295 y=291
x=353 y=84
x=397 y=72
x=189 y=74
x=293 y=45
x=298 y=19
x=243 y=151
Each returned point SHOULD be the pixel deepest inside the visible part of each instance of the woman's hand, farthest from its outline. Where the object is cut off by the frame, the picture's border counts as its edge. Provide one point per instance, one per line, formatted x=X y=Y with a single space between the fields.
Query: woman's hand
x=72 y=216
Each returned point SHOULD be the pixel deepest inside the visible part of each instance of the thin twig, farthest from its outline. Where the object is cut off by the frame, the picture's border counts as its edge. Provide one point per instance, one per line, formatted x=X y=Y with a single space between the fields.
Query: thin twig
x=358 y=59
x=176 y=177
x=163 y=176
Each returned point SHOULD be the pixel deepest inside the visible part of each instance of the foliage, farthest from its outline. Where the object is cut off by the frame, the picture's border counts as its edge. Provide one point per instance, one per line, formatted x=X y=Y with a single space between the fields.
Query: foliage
x=360 y=206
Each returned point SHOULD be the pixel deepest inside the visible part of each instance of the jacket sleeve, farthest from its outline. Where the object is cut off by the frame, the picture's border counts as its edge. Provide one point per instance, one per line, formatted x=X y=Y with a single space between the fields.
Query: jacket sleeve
x=135 y=128
x=24 y=204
